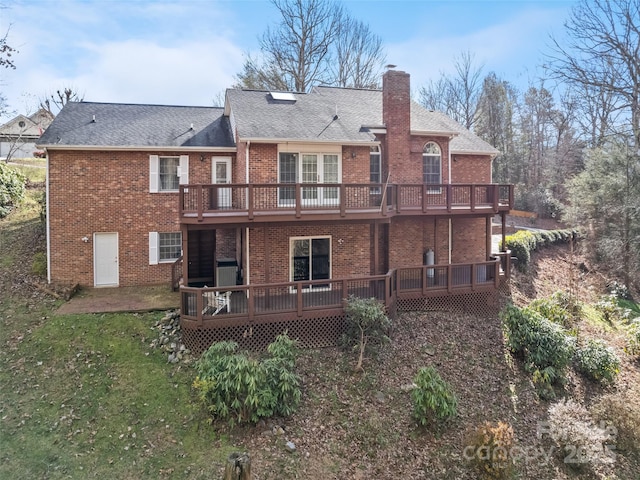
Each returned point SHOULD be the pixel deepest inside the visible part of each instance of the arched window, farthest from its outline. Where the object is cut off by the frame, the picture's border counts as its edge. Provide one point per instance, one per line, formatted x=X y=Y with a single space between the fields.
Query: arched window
x=431 y=164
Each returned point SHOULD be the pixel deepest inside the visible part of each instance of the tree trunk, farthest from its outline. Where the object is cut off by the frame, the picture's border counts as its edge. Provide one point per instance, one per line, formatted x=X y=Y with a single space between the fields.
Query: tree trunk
x=238 y=467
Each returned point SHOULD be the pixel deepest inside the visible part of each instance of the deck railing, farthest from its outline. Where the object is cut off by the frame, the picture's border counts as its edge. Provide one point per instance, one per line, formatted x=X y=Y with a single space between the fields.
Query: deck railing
x=272 y=301
x=252 y=201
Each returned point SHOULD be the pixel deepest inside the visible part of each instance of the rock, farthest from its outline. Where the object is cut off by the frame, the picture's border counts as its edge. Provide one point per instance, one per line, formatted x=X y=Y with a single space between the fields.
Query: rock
x=380 y=397
x=290 y=447
x=278 y=431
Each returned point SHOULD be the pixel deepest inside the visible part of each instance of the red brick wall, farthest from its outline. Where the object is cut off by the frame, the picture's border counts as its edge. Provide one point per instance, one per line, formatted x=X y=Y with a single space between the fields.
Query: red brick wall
x=103 y=191
x=469 y=240
x=471 y=169
x=270 y=246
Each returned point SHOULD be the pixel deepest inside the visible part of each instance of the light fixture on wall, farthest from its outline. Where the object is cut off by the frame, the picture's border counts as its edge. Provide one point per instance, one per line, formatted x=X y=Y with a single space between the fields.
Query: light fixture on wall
x=353 y=154
x=202 y=157
x=340 y=241
x=85 y=239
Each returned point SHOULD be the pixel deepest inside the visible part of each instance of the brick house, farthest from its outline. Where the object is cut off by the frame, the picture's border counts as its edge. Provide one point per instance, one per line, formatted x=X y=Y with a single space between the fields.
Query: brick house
x=268 y=212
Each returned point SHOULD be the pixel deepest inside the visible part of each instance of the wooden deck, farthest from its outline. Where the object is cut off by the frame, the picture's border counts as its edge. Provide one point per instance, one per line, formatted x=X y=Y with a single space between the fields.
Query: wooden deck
x=288 y=301
x=255 y=203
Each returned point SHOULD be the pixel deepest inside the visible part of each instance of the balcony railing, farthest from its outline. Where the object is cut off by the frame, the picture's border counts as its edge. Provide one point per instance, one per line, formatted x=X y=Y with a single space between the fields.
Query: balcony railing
x=273 y=302
x=233 y=203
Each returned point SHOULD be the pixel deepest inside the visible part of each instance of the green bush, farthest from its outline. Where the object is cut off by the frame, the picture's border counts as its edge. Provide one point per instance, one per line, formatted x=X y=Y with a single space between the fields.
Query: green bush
x=524 y=242
x=12 y=188
x=433 y=398
x=611 y=311
x=543 y=345
x=367 y=326
x=597 y=361
x=552 y=311
x=39 y=265
x=237 y=388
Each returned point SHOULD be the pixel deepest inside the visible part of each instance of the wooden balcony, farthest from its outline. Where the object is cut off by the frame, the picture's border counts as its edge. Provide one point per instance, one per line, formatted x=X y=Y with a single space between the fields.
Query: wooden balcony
x=296 y=300
x=255 y=203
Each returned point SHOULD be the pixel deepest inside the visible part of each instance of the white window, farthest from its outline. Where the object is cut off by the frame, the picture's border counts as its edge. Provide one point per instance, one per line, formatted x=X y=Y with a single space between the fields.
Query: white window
x=375 y=168
x=166 y=174
x=432 y=164
x=309 y=168
x=164 y=247
x=310 y=259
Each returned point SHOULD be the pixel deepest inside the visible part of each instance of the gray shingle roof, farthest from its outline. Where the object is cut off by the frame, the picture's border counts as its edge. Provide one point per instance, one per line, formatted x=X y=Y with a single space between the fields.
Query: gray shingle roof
x=128 y=125
x=312 y=118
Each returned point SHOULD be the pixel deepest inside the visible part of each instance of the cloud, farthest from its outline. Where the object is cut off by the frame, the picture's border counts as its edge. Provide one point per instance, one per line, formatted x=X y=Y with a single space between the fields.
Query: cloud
x=140 y=71
x=513 y=48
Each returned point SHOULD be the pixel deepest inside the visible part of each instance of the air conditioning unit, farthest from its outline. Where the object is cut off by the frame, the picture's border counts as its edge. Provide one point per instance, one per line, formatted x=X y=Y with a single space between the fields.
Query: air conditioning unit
x=226 y=272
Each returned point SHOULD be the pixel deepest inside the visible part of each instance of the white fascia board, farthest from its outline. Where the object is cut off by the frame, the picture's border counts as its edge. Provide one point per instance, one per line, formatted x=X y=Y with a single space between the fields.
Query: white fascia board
x=469 y=152
x=435 y=133
x=145 y=148
x=307 y=141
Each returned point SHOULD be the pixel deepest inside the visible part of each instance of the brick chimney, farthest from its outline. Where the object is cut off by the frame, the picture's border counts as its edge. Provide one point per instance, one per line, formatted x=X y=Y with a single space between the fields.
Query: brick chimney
x=396 y=115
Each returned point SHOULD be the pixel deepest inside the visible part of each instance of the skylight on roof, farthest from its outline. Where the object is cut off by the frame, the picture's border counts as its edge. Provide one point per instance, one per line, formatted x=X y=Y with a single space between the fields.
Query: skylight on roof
x=287 y=96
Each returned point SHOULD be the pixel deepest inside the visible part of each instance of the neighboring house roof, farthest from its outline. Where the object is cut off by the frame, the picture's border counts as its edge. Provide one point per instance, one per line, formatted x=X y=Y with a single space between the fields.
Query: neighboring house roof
x=332 y=114
x=117 y=125
x=24 y=127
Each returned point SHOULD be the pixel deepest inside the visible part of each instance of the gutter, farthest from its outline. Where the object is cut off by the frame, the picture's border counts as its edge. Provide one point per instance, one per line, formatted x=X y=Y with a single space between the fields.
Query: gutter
x=145 y=148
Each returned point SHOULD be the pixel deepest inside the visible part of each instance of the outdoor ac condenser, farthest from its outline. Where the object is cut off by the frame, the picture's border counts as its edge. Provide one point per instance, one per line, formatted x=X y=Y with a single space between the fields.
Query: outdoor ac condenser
x=226 y=272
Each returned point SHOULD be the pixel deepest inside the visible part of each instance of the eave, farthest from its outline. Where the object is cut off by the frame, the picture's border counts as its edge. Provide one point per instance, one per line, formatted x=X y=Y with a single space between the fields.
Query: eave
x=144 y=148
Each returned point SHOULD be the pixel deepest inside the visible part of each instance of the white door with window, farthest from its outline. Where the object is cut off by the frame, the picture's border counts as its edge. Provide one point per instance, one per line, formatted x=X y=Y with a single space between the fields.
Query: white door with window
x=105 y=260
x=221 y=174
x=320 y=169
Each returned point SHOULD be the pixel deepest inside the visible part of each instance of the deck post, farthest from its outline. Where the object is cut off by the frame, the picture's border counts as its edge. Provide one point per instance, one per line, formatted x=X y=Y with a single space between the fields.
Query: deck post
x=298 y=200
x=472 y=193
x=343 y=200
x=299 y=299
x=199 y=202
x=448 y=197
x=250 y=201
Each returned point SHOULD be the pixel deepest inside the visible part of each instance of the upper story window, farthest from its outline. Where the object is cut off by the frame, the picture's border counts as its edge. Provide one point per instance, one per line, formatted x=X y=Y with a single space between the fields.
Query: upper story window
x=375 y=165
x=166 y=174
x=431 y=164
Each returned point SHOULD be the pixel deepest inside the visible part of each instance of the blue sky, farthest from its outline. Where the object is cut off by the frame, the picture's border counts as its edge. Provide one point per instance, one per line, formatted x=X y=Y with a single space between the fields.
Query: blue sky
x=187 y=52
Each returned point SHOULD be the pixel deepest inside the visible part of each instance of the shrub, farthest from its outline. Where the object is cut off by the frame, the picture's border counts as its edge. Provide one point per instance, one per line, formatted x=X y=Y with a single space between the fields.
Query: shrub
x=552 y=310
x=633 y=338
x=489 y=449
x=610 y=310
x=619 y=290
x=433 y=398
x=39 y=265
x=597 y=361
x=12 y=188
x=240 y=389
x=524 y=242
x=580 y=441
x=543 y=345
x=367 y=325
x=621 y=413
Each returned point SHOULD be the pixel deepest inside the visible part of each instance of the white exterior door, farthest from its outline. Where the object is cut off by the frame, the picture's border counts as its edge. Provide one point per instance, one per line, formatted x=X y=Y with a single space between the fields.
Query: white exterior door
x=105 y=259
x=221 y=173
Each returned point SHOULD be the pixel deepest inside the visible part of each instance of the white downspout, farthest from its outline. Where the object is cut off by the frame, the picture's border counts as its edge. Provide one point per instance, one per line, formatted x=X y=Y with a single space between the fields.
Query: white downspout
x=48 y=225
x=449 y=179
x=247 y=274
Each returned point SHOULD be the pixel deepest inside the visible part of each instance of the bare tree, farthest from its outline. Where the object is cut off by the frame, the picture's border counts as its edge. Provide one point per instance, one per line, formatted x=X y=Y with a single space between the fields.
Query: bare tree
x=495 y=123
x=359 y=56
x=457 y=96
x=300 y=47
x=316 y=42
x=603 y=54
x=56 y=101
x=6 y=52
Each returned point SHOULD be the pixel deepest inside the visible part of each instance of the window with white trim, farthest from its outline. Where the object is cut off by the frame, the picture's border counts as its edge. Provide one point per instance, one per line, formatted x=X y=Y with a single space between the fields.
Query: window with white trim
x=166 y=174
x=431 y=164
x=164 y=247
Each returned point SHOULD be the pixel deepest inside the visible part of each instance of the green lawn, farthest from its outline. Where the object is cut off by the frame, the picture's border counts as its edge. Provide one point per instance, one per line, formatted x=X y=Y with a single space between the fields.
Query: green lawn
x=85 y=396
